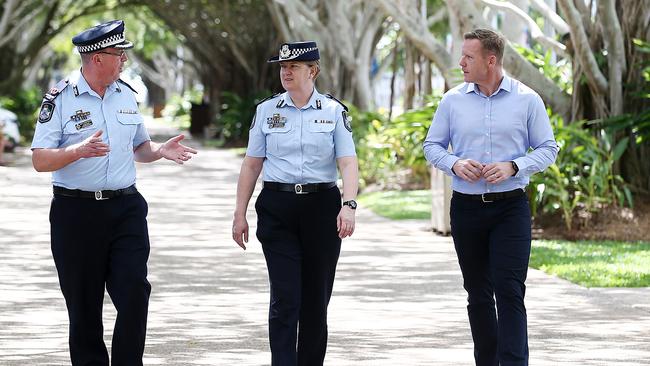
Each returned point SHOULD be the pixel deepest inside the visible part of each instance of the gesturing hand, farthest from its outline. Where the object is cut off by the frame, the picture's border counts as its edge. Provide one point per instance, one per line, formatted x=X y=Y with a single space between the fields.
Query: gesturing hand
x=91 y=147
x=175 y=151
x=468 y=169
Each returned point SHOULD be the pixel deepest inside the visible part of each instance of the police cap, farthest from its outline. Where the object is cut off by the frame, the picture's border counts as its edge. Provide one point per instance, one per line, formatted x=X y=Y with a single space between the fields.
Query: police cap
x=297 y=51
x=109 y=34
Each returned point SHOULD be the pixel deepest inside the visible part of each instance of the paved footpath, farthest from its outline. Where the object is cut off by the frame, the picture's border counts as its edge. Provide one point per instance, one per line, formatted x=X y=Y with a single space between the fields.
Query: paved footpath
x=397 y=299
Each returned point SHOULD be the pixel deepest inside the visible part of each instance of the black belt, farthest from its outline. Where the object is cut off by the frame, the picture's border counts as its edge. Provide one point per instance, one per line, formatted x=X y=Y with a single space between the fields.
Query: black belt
x=99 y=195
x=299 y=188
x=491 y=197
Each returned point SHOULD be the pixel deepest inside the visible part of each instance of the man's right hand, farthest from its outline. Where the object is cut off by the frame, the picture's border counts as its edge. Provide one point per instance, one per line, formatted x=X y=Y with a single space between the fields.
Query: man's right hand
x=468 y=170
x=91 y=147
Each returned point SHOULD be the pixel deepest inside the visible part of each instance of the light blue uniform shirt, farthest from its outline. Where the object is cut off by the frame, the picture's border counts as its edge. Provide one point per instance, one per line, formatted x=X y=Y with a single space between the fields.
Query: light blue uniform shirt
x=78 y=114
x=488 y=129
x=300 y=144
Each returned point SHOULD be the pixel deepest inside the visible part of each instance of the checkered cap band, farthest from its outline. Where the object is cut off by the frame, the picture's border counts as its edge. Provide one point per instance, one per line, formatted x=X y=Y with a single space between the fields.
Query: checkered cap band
x=297 y=52
x=108 y=42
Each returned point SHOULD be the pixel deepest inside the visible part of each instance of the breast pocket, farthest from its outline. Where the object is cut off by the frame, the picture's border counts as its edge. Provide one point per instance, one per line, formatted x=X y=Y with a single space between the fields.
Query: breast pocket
x=75 y=132
x=321 y=138
x=128 y=125
x=279 y=139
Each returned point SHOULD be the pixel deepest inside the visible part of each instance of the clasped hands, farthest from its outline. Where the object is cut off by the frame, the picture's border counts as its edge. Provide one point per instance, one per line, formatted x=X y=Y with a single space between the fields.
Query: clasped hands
x=471 y=171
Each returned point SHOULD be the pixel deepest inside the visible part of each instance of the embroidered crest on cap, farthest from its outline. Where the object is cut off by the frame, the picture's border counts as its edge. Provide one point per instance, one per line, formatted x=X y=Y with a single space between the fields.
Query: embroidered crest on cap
x=47 y=109
x=284 y=51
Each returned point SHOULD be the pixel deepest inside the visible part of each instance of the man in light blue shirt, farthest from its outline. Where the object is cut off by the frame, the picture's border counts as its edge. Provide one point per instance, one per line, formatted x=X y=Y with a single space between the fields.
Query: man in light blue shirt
x=89 y=135
x=499 y=133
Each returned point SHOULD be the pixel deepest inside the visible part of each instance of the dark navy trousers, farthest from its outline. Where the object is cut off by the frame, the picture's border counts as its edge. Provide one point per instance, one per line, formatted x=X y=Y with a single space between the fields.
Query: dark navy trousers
x=97 y=245
x=301 y=247
x=493 y=242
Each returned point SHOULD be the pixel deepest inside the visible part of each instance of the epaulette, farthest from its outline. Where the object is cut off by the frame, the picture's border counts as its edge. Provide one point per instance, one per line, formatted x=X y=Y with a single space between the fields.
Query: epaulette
x=341 y=103
x=55 y=90
x=125 y=83
x=267 y=98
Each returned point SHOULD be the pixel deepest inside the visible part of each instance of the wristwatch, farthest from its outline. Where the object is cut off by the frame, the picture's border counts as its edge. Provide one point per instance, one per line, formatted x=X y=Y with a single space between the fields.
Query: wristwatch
x=351 y=203
x=515 y=167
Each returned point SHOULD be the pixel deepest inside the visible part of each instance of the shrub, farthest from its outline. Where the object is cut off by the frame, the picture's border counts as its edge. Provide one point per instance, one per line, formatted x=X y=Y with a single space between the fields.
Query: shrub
x=582 y=178
x=25 y=104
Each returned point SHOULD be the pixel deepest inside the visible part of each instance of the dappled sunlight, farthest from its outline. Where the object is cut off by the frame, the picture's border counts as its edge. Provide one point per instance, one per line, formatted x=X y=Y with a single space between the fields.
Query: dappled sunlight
x=398 y=297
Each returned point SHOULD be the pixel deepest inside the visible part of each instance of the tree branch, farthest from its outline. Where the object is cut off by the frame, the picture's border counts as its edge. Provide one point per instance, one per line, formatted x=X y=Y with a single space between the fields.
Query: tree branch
x=584 y=53
x=556 y=20
x=535 y=32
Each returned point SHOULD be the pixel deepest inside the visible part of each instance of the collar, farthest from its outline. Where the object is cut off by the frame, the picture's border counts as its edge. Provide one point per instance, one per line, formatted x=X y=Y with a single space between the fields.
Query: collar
x=80 y=85
x=315 y=101
x=506 y=85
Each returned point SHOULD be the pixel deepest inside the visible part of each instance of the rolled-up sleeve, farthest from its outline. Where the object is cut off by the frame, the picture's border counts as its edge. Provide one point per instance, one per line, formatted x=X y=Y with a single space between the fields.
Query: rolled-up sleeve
x=437 y=142
x=541 y=140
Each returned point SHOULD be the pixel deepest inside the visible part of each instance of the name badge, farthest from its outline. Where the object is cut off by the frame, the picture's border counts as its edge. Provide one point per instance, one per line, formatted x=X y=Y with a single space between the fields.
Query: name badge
x=321 y=121
x=127 y=111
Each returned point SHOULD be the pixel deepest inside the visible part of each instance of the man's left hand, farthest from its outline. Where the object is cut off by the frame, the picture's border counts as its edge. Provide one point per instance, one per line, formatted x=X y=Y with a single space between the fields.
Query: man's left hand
x=175 y=151
x=497 y=172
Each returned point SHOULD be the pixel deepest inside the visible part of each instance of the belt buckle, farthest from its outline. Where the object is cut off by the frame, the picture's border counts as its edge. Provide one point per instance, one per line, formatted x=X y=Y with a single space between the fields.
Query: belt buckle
x=298 y=189
x=99 y=196
x=483 y=198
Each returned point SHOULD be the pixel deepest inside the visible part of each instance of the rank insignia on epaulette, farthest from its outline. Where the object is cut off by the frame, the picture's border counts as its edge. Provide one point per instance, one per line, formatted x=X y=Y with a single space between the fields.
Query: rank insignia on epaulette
x=346 y=121
x=47 y=110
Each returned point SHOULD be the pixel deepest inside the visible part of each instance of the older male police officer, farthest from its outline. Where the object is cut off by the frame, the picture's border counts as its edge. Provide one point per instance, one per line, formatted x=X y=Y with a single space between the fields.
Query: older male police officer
x=89 y=133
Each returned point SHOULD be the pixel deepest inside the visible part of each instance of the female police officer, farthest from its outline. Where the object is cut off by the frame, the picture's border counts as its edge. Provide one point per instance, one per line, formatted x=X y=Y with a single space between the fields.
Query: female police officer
x=298 y=137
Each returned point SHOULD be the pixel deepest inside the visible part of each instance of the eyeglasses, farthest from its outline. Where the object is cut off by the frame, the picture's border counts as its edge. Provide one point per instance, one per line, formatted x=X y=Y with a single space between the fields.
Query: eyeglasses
x=121 y=54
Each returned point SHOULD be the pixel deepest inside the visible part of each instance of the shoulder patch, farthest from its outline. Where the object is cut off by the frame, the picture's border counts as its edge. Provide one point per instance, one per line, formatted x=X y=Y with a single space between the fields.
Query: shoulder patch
x=346 y=121
x=47 y=106
x=330 y=96
x=267 y=98
x=253 y=122
x=47 y=110
x=127 y=85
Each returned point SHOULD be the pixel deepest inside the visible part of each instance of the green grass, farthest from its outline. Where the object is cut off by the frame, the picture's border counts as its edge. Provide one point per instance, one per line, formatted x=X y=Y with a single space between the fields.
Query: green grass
x=399 y=205
x=587 y=263
x=594 y=263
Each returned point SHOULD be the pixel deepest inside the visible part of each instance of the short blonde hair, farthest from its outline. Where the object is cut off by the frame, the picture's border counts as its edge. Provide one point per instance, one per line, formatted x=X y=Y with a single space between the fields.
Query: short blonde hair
x=316 y=64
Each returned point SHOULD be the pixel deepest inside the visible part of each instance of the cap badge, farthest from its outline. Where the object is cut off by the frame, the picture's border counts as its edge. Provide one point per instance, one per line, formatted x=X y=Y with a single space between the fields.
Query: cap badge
x=285 y=52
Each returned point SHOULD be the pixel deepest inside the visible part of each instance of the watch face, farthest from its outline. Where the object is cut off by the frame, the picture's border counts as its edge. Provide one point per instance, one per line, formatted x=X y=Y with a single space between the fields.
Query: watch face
x=351 y=203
